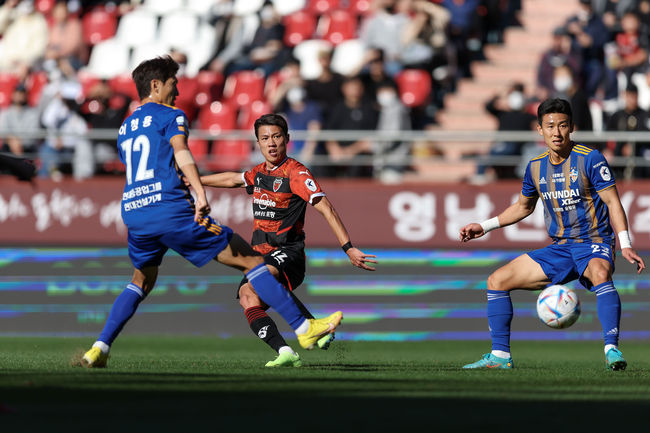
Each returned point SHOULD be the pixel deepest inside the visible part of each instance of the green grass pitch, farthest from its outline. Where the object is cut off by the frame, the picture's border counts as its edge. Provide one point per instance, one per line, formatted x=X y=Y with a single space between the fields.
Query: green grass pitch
x=207 y=384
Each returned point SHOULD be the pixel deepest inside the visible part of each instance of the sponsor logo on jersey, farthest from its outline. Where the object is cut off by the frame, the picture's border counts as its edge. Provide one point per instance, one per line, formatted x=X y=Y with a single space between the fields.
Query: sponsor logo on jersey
x=180 y=120
x=277 y=183
x=311 y=185
x=605 y=174
x=565 y=193
x=542 y=181
x=573 y=174
x=263 y=202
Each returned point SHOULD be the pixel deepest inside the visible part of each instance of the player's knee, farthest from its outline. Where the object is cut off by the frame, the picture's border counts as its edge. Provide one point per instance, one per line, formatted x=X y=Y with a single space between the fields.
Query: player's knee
x=600 y=275
x=247 y=297
x=496 y=281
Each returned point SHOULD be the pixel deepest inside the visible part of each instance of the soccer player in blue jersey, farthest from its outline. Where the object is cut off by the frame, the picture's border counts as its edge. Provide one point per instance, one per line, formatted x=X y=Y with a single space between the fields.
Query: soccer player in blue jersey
x=160 y=213
x=581 y=207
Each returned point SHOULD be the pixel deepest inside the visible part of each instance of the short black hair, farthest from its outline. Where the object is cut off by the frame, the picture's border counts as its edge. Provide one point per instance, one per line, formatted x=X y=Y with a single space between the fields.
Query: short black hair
x=554 y=105
x=274 y=120
x=159 y=68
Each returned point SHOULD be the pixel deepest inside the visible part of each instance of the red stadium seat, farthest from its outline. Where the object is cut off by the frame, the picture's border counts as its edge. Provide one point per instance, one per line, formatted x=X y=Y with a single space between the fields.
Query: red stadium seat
x=44 y=6
x=339 y=26
x=229 y=155
x=217 y=117
x=210 y=87
x=359 y=7
x=8 y=83
x=124 y=84
x=199 y=149
x=35 y=83
x=251 y=112
x=298 y=27
x=187 y=90
x=320 y=7
x=244 y=87
x=87 y=81
x=98 y=25
x=414 y=87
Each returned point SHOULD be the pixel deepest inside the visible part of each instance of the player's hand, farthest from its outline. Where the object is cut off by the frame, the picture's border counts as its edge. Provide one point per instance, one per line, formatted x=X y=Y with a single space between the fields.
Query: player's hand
x=359 y=259
x=201 y=209
x=631 y=256
x=471 y=231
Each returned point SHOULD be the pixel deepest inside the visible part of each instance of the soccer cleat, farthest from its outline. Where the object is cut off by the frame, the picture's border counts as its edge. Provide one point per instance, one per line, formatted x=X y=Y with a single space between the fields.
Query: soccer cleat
x=285 y=359
x=94 y=358
x=324 y=342
x=490 y=361
x=318 y=328
x=614 y=360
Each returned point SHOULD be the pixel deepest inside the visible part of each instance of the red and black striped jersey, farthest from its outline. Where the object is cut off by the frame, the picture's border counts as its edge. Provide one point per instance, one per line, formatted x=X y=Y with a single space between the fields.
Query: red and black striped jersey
x=280 y=197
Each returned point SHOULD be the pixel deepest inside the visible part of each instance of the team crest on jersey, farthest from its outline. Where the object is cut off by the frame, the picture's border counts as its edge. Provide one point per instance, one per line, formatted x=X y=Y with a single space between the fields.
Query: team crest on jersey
x=573 y=174
x=277 y=183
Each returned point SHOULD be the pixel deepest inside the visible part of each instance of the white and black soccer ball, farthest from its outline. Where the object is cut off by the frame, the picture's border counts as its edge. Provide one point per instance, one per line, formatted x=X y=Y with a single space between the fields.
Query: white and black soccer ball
x=558 y=306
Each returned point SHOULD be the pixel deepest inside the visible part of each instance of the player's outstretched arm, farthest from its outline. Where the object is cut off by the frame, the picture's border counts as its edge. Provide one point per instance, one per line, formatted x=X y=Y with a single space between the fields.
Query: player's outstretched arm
x=185 y=162
x=357 y=257
x=227 y=179
x=618 y=220
x=514 y=213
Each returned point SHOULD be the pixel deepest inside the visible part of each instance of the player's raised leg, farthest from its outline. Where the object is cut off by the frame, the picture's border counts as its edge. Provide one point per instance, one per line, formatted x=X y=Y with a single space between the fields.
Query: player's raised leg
x=521 y=273
x=239 y=254
x=123 y=309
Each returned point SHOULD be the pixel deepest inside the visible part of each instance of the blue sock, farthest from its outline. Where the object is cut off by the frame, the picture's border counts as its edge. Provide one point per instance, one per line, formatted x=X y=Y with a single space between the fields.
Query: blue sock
x=275 y=295
x=608 y=304
x=499 y=312
x=123 y=308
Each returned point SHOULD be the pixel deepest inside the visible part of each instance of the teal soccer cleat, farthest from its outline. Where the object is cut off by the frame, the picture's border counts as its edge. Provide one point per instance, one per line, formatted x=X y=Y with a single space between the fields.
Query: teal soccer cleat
x=490 y=361
x=614 y=360
x=324 y=342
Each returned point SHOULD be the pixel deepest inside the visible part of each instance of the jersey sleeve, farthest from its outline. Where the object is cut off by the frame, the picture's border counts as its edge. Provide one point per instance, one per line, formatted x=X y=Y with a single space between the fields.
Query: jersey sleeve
x=304 y=185
x=248 y=177
x=528 y=188
x=177 y=124
x=598 y=170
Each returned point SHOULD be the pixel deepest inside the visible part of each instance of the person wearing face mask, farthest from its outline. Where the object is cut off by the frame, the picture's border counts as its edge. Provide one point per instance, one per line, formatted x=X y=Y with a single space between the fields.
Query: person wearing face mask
x=509 y=110
x=393 y=116
x=565 y=87
x=16 y=120
x=303 y=115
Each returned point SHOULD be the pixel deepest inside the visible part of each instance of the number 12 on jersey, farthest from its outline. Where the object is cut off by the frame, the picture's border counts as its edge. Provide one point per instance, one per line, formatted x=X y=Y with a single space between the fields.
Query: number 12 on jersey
x=140 y=144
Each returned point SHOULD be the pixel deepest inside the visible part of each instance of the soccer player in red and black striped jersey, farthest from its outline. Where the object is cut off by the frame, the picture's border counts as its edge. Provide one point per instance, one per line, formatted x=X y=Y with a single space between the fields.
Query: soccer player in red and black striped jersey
x=281 y=188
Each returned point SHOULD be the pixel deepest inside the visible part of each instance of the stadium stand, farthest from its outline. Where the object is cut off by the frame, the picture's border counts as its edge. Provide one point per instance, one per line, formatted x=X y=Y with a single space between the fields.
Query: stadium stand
x=462 y=53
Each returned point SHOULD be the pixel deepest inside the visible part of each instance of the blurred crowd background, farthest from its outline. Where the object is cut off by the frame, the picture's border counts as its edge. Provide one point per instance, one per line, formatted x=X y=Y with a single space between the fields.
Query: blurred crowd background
x=397 y=90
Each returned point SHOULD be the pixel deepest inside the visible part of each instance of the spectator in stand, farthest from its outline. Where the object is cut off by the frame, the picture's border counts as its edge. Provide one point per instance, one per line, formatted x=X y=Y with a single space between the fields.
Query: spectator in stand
x=631 y=118
x=65 y=37
x=462 y=27
x=354 y=113
x=66 y=137
x=290 y=99
x=393 y=116
x=562 y=52
x=16 y=120
x=374 y=74
x=24 y=35
x=383 y=30
x=510 y=111
x=643 y=12
x=266 y=51
x=104 y=110
x=565 y=87
x=237 y=34
x=326 y=88
x=590 y=34
x=631 y=47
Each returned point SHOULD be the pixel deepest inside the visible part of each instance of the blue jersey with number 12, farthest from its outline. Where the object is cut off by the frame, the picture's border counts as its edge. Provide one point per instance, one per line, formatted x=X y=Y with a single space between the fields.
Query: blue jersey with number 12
x=155 y=196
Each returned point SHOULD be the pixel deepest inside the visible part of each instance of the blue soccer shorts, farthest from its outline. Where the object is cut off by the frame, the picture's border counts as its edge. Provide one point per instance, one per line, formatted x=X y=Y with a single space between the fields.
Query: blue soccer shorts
x=567 y=262
x=197 y=242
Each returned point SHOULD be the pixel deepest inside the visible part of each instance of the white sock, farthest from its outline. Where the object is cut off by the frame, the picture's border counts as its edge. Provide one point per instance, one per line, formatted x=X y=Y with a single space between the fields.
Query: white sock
x=610 y=346
x=304 y=327
x=286 y=349
x=501 y=354
x=105 y=348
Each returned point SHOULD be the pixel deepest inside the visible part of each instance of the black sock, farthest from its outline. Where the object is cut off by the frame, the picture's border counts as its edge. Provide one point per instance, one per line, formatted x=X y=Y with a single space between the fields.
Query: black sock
x=264 y=327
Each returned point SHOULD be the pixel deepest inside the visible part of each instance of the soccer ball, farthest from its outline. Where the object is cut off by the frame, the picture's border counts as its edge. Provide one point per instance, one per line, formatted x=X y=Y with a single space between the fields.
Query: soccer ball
x=558 y=306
